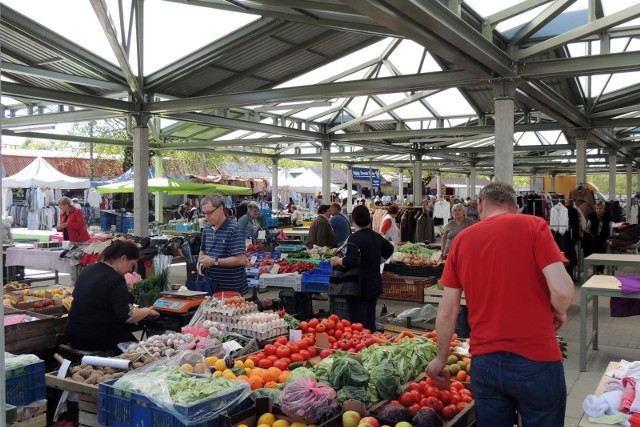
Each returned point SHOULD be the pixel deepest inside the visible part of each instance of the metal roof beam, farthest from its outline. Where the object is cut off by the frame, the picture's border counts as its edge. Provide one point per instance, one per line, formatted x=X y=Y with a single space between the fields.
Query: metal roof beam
x=599 y=26
x=60 y=97
x=56 y=118
x=244 y=125
x=193 y=144
x=425 y=81
x=514 y=10
x=62 y=77
x=100 y=8
x=72 y=138
x=581 y=66
x=532 y=27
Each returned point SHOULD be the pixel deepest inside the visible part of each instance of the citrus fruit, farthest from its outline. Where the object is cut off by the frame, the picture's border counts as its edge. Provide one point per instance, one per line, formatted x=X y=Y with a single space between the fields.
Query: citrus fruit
x=220 y=365
x=281 y=423
x=267 y=418
x=210 y=361
x=187 y=367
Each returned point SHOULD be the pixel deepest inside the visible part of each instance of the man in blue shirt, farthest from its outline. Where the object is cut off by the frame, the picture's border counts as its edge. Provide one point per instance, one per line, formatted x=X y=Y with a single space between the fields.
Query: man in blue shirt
x=222 y=252
x=340 y=224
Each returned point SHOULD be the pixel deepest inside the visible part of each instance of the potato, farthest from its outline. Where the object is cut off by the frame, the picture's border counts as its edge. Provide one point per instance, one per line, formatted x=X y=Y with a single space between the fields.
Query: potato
x=75 y=370
x=137 y=365
x=118 y=374
x=85 y=372
x=77 y=377
x=94 y=379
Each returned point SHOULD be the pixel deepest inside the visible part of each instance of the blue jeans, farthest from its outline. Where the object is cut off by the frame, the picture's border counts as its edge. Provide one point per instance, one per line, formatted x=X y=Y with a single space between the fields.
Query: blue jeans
x=503 y=382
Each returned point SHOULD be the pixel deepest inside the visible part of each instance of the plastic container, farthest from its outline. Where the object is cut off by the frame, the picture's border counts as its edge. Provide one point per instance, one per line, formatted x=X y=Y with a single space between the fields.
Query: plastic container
x=289 y=248
x=316 y=280
x=419 y=270
x=119 y=408
x=292 y=281
x=25 y=384
x=338 y=306
x=297 y=304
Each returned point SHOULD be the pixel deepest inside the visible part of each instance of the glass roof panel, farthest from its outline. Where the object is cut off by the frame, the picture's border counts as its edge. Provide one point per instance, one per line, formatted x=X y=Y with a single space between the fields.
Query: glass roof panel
x=415 y=110
x=450 y=103
x=406 y=57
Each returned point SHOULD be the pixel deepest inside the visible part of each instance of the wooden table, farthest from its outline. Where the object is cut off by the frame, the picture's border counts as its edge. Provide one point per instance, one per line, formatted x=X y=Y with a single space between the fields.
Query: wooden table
x=610 y=260
x=596 y=286
x=40 y=259
x=584 y=421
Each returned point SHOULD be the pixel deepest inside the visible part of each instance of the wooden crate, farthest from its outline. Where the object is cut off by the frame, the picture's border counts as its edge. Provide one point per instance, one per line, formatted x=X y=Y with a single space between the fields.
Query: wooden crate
x=87 y=411
x=434 y=296
x=404 y=288
x=88 y=390
x=30 y=337
x=39 y=421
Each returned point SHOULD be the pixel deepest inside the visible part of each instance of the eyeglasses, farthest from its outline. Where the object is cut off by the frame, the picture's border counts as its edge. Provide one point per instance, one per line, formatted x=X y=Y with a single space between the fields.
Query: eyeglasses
x=211 y=212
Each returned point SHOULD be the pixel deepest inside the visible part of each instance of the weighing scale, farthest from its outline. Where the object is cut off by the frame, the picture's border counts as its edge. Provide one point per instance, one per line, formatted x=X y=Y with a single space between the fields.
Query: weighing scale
x=179 y=302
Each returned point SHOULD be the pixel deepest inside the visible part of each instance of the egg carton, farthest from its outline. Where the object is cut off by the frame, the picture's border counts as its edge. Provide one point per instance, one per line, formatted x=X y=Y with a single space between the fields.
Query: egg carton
x=222 y=318
x=231 y=312
x=271 y=333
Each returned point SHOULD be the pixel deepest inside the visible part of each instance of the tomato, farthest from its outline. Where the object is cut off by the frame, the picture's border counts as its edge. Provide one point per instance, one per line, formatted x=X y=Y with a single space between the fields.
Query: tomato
x=415 y=386
x=269 y=349
x=445 y=397
x=432 y=391
x=302 y=344
x=295 y=348
x=357 y=326
x=261 y=355
x=339 y=326
x=457 y=385
x=296 y=357
x=330 y=324
x=449 y=412
x=311 y=329
x=310 y=341
x=455 y=398
x=359 y=346
x=265 y=363
x=413 y=409
x=312 y=350
x=345 y=323
x=255 y=359
x=407 y=399
x=313 y=323
x=305 y=354
x=460 y=406
x=332 y=340
x=465 y=391
x=321 y=329
x=344 y=344
x=416 y=395
x=335 y=318
x=465 y=398
x=325 y=353
x=283 y=351
x=434 y=404
x=281 y=364
x=282 y=339
x=338 y=334
x=304 y=326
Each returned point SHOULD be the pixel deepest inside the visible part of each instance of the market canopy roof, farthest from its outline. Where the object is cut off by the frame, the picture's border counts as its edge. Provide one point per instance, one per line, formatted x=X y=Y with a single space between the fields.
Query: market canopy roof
x=307 y=182
x=175 y=186
x=40 y=173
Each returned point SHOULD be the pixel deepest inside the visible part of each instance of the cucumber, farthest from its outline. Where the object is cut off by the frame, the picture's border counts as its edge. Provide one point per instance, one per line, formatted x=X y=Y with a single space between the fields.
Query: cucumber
x=295 y=365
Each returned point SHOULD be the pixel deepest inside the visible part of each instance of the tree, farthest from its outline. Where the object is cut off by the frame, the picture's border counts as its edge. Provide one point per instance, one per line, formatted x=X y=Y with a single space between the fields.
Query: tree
x=32 y=144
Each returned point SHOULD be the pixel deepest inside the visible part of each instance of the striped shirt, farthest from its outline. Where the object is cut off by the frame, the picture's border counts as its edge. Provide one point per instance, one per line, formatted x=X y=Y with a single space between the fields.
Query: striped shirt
x=225 y=242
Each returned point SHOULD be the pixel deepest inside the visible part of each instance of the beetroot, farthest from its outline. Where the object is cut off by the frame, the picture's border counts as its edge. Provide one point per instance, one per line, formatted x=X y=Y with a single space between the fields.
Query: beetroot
x=394 y=412
x=426 y=417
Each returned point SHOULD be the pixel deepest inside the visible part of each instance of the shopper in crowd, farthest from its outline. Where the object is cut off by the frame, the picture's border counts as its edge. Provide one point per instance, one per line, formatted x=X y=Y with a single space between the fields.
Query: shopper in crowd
x=76 y=203
x=374 y=251
x=249 y=222
x=264 y=203
x=296 y=216
x=320 y=232
x=389 y=227
x=472 y=210
x=102 y=313
x=600 y=227
x=517 y=292
x=241 y=210
x=72 y=223
x=340 y=224
x=222 y=252
x=453 y=227
x=190 y=213
x=290 y=205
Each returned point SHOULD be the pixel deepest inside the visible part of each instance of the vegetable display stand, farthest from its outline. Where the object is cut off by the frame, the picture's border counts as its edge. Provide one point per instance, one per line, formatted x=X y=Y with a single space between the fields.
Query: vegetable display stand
x=464 y=418
x=87 y=397
x=39 y=421
x=419 y=270
x=399 y=288
x=297 y=304
x=25 y=384
x=118 y=408
x=432 y=295
x=30 y=337
x=250 y=416
x=338 y=306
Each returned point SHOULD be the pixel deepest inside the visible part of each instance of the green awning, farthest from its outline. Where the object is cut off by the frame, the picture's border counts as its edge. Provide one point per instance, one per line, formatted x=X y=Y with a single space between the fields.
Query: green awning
x=175 y=186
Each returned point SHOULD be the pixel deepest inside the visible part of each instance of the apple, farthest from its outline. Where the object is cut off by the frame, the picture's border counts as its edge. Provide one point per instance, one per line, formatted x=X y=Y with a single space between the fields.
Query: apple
x=351 y=419
x=403 y=424
x=369 y=421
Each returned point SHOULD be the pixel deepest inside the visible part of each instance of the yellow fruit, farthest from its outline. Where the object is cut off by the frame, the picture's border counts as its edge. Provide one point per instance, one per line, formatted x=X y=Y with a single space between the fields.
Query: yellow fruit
x=267 y=418
x=281 y=423
x=242 y=425
x=210 y=361
x=247 y=371
x=249 y=364
x=239 y=364
x=264 y=425
x=187 y=367
x=217 y=373
x=199 y=368
x=229 y=374
x=220 y=365
x=298 y=424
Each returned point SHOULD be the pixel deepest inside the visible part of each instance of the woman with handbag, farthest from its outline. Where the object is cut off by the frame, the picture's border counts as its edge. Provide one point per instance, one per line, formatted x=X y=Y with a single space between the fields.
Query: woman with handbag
x=368 y=249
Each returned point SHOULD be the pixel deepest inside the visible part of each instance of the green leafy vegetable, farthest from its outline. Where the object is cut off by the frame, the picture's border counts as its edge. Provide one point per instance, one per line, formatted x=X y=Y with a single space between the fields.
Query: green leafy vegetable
x=347 y=371
x=350 y=392
x=301 y=372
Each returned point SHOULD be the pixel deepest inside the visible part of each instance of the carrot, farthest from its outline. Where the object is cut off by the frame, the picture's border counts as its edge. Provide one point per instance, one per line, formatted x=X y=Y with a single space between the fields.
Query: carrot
x=402 y=335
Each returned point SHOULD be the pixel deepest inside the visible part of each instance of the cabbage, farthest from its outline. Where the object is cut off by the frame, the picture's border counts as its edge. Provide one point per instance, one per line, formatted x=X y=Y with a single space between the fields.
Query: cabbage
x=346 y=371
x=301 y=372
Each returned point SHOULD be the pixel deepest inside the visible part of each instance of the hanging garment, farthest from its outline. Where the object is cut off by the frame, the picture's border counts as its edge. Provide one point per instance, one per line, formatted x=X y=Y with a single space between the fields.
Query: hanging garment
x=559 y=218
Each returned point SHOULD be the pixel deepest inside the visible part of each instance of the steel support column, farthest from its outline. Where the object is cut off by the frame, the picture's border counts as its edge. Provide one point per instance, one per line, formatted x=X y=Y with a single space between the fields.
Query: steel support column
x=504 y=106
x=628 y=188
x=349 y=188
x=141 y=180
x=326 y=173
x=581 y=161
x=613 y=159
x=274 y=185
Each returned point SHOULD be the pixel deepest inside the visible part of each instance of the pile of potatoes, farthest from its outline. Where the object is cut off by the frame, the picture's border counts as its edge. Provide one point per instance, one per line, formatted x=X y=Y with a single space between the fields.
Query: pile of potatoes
x=89 y=374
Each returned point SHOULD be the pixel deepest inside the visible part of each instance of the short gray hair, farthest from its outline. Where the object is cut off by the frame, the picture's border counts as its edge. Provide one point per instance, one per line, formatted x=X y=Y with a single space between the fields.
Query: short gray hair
x=458 y=206
x=498 y=193
x=215 y=200
x=252 y=206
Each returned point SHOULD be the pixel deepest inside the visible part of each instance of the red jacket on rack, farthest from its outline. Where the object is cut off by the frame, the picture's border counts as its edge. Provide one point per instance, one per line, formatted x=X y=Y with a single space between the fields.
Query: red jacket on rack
x=76 y=229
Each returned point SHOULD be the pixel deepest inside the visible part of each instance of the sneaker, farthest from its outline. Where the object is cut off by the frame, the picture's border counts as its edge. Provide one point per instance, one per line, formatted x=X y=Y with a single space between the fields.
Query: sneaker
x=319 y=297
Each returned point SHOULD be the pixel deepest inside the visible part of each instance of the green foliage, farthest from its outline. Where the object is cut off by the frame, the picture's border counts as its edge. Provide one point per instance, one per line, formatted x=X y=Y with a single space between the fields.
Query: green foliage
x=33 y=144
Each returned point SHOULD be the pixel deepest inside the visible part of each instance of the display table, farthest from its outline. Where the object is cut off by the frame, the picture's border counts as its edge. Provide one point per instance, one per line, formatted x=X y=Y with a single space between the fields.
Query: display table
x=299 y=233
x=584 y=421
x=36 y=235
x=596 y=286
x=39 y=259
x=610 y=260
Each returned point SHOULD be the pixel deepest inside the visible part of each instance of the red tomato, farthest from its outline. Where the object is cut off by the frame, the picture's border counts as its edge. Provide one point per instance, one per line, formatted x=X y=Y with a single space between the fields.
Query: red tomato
x=413 y=409
x=311 y=330
x=445 y=397
x=321 y=329
x=432 y=391
x=312 y=350
x=455 y=398
x=287 y=361
x=269 y=349
x=456 y=385
x=295 y=348
x=359 y=346
x=265 y=363
x=338 y=333
x=255 y=359
x=449 y=412
x=332 y=340
x=415 y=386
x=465 y=398
x=305 y=354
x=325 y=353
x=330 y=324
x=281 y=364
x=283 y=351
x=344 y=344
x=313 y=323
x=296 y=357
x=407 y=399
x=345 y=323
x=435 y=404
x=460 y=406
x=302 y=344
x=357 y=326
x=261 y=355
x=282 y=339
x=339 y=326
x=310 y=341
x=304 y=326
x=272 y=357
x=416 y=395
x=335 y=318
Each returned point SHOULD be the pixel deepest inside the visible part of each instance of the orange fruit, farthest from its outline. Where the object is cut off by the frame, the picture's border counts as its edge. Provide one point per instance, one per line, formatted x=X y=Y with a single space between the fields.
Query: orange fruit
x=461 y=376
x=255 y=382
x=267 y=377
x=274 y=372
x=282 y=378
x=243 y=378
x=271 y=384
x=255 y=372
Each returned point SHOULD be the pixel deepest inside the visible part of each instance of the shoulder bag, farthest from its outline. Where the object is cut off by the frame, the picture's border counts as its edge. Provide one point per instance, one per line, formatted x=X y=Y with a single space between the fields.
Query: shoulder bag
x=346 y=282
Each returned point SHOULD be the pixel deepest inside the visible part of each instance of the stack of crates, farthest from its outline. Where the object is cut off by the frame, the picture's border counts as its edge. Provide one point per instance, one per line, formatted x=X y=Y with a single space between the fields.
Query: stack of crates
x=317 y=280
x=297 y=304
x=338 y=306
x=25 y=385
x=269 y=220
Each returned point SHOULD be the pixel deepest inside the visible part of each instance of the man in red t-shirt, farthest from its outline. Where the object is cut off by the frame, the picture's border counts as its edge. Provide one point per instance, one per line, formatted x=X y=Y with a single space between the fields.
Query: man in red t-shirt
x=517 y=291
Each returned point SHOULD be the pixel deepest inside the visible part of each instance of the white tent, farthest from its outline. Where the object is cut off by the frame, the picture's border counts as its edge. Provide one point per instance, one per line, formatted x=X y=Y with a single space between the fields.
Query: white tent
x=284 y=178
x=40 y=173
x=306 y=182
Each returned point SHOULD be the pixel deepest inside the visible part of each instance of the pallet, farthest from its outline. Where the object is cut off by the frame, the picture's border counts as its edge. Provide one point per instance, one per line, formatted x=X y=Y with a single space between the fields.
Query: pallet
x=434 y=296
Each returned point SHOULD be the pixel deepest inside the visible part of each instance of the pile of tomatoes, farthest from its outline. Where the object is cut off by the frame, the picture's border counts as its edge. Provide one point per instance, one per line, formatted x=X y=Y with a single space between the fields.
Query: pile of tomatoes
x=282 y=353
x=343 y=335
x=296 y=266
x=447 y=403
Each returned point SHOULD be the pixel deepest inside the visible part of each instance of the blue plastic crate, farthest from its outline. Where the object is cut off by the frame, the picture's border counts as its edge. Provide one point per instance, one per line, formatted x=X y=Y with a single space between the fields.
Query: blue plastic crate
x=325 y=267
x=290 y=248
x=271 y=222
x=127 y=223
x=25 y=384
x=265 y=212
x=316 y=281
x=315 y=287
x=118 y=408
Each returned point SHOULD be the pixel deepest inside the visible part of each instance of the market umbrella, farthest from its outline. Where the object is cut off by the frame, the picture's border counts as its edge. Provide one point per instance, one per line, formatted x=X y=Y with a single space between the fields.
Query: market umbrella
x=175 y=186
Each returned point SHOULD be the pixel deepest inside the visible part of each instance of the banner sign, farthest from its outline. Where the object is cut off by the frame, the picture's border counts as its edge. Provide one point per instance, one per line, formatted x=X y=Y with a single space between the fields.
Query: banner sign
x=362 y=174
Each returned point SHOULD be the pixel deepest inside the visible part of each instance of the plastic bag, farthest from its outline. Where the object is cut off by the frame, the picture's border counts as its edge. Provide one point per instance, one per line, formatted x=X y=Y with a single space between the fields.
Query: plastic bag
x=192 y=399
x=307 y=401
x=13 y=361
x=419 y=314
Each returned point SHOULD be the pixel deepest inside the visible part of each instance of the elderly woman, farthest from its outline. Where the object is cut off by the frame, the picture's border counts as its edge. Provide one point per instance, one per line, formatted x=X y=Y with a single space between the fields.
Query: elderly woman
x=296 y=216
x=455 y=226
x=248 y=223
x=102 y=312
x=389 y=228
x=72 y=222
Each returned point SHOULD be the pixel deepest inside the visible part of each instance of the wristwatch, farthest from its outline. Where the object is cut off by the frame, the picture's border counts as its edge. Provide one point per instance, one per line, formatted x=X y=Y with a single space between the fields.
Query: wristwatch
x=215 y=261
